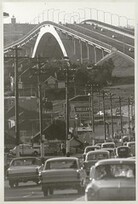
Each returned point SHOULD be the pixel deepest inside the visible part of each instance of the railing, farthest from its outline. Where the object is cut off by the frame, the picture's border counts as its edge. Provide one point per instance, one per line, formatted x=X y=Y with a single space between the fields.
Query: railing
x=61 y=27
x=111 y=26
x=76 y=33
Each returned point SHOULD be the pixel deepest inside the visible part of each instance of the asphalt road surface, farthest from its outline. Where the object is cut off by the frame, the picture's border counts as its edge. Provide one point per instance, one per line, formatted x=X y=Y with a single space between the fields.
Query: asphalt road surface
x=31 y=192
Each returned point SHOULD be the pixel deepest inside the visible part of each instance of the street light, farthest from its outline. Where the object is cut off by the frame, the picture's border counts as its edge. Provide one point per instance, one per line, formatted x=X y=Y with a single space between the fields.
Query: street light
x=125 y=19
x=59 y=15
x=132 y=25
x=73 y=18
x=96 y=13
x=65 y=16
x=110 y=15
x=103 y=15
x=83 y=12
x=117 y=17
x=90 y=9
x=77 y=14
x=54 y=13
x=48 y=13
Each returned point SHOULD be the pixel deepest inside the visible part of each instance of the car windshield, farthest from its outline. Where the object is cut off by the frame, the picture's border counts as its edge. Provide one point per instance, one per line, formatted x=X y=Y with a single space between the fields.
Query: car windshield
x=131 y=145
x=108 y=146
x=115 y=171
x=123 y=152
x=63 y=164
x=98 y=156
x=26 y=162
x=88 y=149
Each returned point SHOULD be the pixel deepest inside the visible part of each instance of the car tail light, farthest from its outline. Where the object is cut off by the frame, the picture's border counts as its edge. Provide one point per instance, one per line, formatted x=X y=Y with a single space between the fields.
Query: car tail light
x=78 y=174
x=7 y=173
x=90 y=194
x=37 y=171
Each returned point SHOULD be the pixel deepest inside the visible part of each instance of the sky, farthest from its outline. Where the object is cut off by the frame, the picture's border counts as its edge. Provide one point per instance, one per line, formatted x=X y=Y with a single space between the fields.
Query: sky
x=123 y=12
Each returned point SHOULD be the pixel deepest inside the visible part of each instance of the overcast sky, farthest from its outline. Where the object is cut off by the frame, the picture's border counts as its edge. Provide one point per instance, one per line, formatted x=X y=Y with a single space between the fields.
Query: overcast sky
x=28 y=11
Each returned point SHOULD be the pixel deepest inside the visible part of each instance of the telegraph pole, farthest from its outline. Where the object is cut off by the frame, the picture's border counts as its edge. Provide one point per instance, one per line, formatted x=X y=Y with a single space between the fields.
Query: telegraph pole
x=104 y=115
x=92 y=111
x=92 y=105
x=16 y=100
x=129 y=115
x=40 y=108
x=67 y=65
x=112 y=125
x=120 y=115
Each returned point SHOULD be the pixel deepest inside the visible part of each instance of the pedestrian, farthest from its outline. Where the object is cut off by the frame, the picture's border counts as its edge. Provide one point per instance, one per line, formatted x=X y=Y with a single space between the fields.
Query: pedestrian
x=63 y=150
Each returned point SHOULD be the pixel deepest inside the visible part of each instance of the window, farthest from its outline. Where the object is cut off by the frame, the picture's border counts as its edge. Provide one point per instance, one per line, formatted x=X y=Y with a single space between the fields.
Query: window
x=115 y=171
x=63 y=164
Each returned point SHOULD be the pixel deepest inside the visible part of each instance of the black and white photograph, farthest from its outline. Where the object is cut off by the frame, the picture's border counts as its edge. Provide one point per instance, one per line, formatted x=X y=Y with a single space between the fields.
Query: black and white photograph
x=69 y=91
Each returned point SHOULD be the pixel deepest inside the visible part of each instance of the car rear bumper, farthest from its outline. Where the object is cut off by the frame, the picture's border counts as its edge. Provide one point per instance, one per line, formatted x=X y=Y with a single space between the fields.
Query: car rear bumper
x=24 y=178
x=61 y=185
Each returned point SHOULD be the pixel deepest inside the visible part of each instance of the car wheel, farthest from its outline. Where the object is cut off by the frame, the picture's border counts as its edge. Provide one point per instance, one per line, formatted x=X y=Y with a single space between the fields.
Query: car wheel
x=38 y=182
x=16 y=184
x=50 y=191
x=35 y=153
x=11 y=184
x=81 y=190
x=45 y=192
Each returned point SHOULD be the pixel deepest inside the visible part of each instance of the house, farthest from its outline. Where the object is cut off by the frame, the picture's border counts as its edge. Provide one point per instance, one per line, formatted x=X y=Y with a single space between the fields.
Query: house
x=51 y=82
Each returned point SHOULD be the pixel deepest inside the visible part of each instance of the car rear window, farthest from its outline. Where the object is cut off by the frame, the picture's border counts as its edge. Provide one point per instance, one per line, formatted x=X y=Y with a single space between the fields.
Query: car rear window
x=123 y=151
x=63 y=164
x=98 y=156
x=115 y=171
x=26 y=162
x=108 y=146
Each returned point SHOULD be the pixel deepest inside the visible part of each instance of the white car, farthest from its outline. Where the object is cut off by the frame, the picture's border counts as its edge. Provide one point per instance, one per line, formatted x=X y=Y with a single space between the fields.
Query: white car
x=26 y=150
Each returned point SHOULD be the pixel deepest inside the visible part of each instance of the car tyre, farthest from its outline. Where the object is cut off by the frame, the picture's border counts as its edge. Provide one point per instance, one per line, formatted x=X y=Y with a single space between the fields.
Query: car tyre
x=11 y=184
x=35 y=153
x=81 y=190
x=38 y=182
x=45 y=192
x=16 y=184
x=50 y=191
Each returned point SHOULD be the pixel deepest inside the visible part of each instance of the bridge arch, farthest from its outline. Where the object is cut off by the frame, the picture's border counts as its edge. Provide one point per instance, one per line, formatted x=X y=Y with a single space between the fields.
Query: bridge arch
x=48 y=44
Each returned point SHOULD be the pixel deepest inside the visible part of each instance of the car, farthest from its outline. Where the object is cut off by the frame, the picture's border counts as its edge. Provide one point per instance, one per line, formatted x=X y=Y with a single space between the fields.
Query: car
x=98 y=144
x=26 y=150
x=131 y=145
x=111 y=151
x=92 y=157
x=62 y=173
x=123 y=152
x=89 y=148
x=108 y=145
x=24 y=169
x=112 y=180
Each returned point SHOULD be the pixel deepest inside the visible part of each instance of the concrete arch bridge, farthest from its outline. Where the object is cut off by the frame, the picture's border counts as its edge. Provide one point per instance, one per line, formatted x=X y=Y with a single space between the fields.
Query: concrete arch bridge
x=88 y=41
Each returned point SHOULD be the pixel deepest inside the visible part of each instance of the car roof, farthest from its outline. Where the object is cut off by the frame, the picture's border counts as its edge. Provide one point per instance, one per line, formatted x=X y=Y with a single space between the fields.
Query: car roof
x=107 y=148
x=115 y=161
x=108 y=143
x=24 y=158
x=62 y=158
x=98 y=151
x=121 y=147
x=131 y=142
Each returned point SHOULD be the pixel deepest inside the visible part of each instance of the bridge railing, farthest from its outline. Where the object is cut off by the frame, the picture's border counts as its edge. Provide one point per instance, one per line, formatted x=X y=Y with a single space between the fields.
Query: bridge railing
x=77 y=34
x=124 y=30
x=64 y=29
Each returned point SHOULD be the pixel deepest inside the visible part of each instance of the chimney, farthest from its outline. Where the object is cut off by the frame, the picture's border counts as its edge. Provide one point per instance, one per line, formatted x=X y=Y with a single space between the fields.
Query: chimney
x=13 y=20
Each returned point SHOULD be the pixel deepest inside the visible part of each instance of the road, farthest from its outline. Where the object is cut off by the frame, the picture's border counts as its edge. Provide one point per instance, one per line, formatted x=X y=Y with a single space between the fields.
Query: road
x=31 y=192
